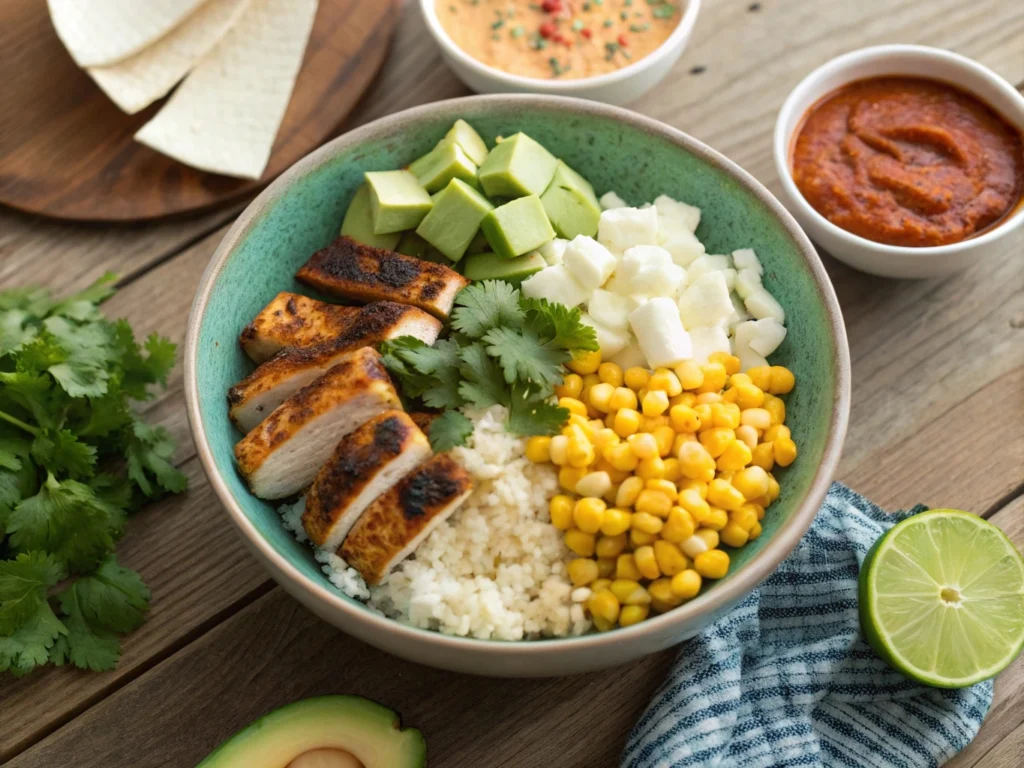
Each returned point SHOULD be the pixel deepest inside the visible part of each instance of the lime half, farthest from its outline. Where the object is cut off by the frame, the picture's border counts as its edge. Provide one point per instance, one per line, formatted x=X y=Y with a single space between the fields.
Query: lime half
x=942 y=598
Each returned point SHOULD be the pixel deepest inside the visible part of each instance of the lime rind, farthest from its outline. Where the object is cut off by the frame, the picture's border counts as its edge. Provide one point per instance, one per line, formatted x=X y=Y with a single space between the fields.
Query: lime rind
x=970 y=635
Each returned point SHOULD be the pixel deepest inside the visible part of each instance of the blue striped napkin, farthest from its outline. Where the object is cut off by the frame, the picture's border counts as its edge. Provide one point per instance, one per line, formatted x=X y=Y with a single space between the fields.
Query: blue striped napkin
x=786 y=679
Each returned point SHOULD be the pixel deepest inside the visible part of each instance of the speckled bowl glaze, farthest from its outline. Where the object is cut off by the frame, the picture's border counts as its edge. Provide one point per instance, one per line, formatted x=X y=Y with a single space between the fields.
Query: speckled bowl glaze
x=640 y=159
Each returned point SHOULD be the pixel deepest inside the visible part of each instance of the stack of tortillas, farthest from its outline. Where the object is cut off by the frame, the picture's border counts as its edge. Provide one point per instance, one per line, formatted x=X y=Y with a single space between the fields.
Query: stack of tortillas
x=238 y=60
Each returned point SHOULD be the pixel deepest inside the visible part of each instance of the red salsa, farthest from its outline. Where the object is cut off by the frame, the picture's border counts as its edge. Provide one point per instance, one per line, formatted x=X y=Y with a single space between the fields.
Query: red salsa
x=908 y=161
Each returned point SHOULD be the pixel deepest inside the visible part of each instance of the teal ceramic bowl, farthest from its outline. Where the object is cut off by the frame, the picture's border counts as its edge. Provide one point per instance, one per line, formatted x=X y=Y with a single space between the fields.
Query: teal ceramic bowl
x=617 y=150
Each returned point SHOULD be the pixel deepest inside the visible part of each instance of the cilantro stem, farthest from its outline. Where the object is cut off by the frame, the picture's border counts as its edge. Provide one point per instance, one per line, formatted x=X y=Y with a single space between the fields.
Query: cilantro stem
x=21 y=424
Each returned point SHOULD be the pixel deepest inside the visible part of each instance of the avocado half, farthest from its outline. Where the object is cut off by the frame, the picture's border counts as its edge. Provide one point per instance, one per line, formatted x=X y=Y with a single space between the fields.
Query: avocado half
x=369 y=731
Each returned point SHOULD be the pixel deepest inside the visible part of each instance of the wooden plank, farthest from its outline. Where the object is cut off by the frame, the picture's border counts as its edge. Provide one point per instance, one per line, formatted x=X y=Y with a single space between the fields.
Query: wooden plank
x=274 y=652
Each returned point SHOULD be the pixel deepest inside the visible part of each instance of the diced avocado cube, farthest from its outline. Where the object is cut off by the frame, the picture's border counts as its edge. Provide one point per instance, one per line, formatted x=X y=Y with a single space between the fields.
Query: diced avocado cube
x=358 y=222
x=478 y=244
x=517 y=227
x=516 y=167
x=470 y=141
x=571 y=204
x=490 y=266
x=412 y=244
x=443 y=163
x=397 y=200
x=455 y=219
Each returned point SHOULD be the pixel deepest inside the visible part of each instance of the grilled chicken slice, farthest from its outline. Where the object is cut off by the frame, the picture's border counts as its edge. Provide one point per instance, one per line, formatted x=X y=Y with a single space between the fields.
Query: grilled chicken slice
x=354 y=271
x=394 y=525
x=364 y=465
x=255 y=396
x=282 y=455
x=292 y=320
x=423 y=420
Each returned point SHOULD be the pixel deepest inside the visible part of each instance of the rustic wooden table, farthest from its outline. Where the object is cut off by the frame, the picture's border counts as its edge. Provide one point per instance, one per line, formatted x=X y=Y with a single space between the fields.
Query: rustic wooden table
x=938 y=417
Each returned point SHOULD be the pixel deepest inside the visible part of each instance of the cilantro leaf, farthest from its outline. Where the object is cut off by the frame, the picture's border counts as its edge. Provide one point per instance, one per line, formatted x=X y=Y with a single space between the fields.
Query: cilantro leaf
x=534 y=416
x=486 y=305
x=62 y=451
x=523 y=355
x=483 y=384
x=84 y=645
x=113 y=597
x=148 y=452
x=13 y=331
x=449 y=430
x=560 y=325
x=23 y=585
x=30 y=644
x=84 y=304
x=139 y=372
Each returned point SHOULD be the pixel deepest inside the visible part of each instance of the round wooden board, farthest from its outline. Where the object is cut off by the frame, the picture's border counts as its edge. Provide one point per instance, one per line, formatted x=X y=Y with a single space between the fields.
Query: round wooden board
x=66 y=150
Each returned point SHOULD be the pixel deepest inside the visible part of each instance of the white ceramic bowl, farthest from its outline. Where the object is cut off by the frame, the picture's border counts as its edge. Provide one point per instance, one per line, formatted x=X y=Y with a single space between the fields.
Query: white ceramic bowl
x=913 y=60
x=619 y=87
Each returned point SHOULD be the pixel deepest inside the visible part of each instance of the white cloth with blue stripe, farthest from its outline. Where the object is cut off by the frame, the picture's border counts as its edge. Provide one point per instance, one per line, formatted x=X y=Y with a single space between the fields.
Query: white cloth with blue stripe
x=786 y=678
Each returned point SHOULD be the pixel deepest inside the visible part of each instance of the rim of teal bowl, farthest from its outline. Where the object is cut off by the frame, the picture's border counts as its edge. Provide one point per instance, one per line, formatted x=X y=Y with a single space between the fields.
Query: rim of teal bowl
x=741 y=583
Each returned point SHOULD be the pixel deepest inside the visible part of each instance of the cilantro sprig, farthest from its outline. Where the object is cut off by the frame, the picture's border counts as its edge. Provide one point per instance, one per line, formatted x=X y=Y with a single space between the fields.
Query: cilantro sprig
x=504 y=350
x=75 y=459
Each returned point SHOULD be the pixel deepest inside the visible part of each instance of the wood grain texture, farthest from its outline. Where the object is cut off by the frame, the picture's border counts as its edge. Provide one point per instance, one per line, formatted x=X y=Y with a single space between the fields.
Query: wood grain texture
x=937 y=412
x=67 y=151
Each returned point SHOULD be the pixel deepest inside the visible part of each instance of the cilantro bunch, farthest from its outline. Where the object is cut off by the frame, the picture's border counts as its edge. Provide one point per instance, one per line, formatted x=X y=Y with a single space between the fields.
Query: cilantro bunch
x=503 y=350
x=74 y=460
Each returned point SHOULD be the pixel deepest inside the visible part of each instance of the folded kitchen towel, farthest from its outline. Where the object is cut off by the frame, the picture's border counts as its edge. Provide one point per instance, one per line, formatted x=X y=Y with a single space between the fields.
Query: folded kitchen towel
x=787 y=679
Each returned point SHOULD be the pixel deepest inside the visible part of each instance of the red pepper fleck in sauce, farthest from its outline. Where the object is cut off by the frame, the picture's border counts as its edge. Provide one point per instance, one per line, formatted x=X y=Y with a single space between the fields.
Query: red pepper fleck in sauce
x=623 y=41
x=908 y=161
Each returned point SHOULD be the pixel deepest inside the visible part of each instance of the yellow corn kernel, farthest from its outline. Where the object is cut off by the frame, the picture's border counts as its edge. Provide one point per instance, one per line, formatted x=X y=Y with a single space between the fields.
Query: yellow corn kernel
x=699 y=486
x=689 y=374
x=721 y=493
x=646 y=563
x=538 y=449
x=606 y=570
x=689 y=399
x=582 y=571
x=713 y=564
x=589 y=380
x=588 y=515
x=603 y=605
x=747 y=435
x=611 y=493
x=641 y=394
x=592 y=413
x=694 y=545
x=760 y=377
x=621 y=457
x=758 y=418
x=731 y=363
x=664 y=486
x=683 y=419
x=733 y=535
x=580 y=452
x=690 y=500
x=610 y=546
x=663 y=437
x=602 y=583
x=708 y=398
x=783 y=380
x=654 y=403
x=603 y=626
x=647 y=523
x=725 y=415
x=716 y=519
x=754 y=532
x=729 y=396
x=752 y=482
x=579 y=542
x=717 y=440
x=735 y=457
x=558 y=450
x=695 y=462
x=629 y=592
x=737 y=379
x=604 y=437
x=573 y=405
x=714 y=377
x=633 y=614
x=773 y=488
x=636 y=378
x=665 y=381
x=629 y=491
x=571 y=386
x=710 y=535
x=703 y=411
x=585 y=362
x=672 y=471
x=560 y=509
x=651 y=469
x=749 y=396
x=597 y=484
x=682 y=437
x=616 y=521
x=746 y=516
x=577 y=425
x=763 y=456
x=622 y=397
x=638 y=538
x=687 y=584
x=610 y=373
x=670 y=558
x=625 y=567
x=679 y=526
x=615 y=475
x=568 y=477
x=600 y=395
x=651 y=423
x=662 y=596
x=643 y=445
x=776 y=408
x=785 y=451
x=627 y=422
x=776 y=431
x=654 y=503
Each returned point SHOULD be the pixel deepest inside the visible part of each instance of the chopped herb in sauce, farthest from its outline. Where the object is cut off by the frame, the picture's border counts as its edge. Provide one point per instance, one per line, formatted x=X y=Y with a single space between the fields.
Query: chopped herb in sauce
x=518 y=31
x=577 y=25
x=639 y=27
x=498 y=24
x=664 y=11
x=624 y=15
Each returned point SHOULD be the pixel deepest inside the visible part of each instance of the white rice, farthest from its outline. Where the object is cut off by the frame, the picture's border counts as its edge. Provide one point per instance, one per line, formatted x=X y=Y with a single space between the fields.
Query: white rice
x=496 y=568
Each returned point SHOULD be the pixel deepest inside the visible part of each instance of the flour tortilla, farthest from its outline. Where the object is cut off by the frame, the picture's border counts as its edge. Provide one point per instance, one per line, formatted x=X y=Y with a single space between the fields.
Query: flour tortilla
x=139 y=80
x=98 y=33
x=223 y=118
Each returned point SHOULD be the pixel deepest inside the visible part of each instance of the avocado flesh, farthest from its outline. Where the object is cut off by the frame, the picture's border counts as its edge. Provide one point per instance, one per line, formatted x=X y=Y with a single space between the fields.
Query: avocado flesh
x=358 y=223
x=364 y=728
x=490 y=266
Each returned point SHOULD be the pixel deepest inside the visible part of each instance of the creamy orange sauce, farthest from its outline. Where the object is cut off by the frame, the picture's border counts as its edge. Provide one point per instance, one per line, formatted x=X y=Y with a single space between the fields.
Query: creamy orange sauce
x=558 y=39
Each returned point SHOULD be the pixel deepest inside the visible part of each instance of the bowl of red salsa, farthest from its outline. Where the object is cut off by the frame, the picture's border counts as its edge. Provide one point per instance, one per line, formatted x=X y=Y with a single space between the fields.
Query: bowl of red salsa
x=903 y=160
